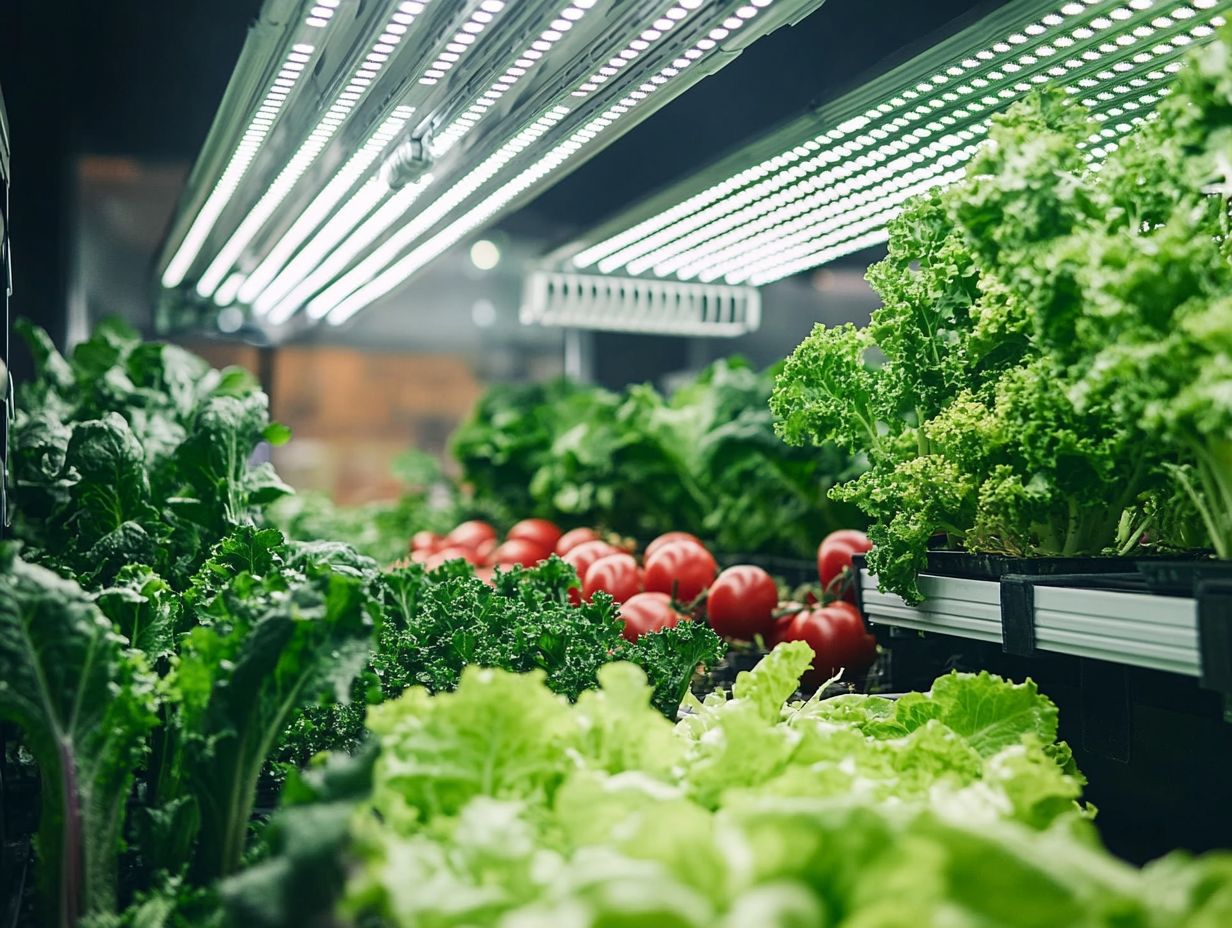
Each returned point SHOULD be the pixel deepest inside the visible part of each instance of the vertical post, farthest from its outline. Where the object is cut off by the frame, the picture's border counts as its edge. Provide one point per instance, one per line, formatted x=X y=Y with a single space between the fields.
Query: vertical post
x=579 y=355
x=6 y=290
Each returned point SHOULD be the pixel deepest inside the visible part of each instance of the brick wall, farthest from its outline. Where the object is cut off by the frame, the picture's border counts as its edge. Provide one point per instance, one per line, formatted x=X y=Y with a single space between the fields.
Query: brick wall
x=352 y=412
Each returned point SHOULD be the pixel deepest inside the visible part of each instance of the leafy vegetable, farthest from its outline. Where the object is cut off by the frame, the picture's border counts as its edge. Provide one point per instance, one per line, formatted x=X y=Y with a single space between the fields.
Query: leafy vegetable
x=135 y=453
x=502 y=804
x=84 y=703
x=982 y=391
x=287 y=628
x=706 y=460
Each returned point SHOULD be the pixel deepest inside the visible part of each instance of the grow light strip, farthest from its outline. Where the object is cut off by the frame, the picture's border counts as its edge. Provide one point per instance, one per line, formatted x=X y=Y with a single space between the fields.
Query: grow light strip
x=736 y=265
x=320 y=262
x=346 y=235
x=764 y=206
x=359 y=288
x=335 y=117
x=773 y=263
x=323 y=205
x=530 y=56
x=263 y=120
x=369 y=268
x=463 y=39
x=418 y=226
x=674 y=14
x=748 y=205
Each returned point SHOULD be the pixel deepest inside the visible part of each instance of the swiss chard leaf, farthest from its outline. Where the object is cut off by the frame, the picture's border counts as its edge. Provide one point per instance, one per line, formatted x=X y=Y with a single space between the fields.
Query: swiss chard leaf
x=84 y=704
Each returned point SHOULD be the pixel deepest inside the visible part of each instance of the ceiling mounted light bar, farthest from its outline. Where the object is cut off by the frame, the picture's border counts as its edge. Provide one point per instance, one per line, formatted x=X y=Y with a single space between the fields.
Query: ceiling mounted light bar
x=827 y=185
x=300 y=52
x=713 y=23
x=633 y=304
x=424 y=121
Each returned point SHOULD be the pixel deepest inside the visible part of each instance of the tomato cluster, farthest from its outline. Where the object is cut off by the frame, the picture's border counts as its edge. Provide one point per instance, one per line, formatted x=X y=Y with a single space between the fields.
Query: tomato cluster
x=677 y=579
x=475 y=541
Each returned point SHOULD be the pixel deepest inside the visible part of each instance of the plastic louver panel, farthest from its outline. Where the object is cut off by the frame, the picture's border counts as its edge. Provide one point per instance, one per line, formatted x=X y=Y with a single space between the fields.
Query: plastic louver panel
x=1147 y=631
x=966 y=608
x=628 y=304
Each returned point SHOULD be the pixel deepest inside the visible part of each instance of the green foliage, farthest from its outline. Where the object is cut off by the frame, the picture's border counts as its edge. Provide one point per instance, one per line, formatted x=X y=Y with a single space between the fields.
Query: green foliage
x=1047 y=370
x=502 y=804
x=84 y=703
x=705 y=460
x=194 y=645
x=134 y=453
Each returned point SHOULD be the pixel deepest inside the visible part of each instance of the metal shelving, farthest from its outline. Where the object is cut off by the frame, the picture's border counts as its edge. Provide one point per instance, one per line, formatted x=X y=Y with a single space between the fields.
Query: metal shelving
x=1119 y=626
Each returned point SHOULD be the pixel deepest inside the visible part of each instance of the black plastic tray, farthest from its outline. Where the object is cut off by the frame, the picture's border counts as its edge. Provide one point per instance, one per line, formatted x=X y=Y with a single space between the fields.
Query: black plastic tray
x=793 y=571
x=1178 y=577
x=975 y=566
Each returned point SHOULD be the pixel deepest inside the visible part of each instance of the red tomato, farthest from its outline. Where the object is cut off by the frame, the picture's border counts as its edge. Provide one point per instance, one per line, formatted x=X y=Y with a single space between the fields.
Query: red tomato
x=837 y=635
x=617 y=574
x=485 y=549
x=667 y=538
x=425 y=541
x=574 y=537
x=648 y=612
x=585 y=554
x=741 y=602
x=471 y=534
x=518 y=551
x=540 y=532
x=681 y=568
x=450 y=553
x=834 y=561
x=580 y=558
x=485 y=574
x=779 y=629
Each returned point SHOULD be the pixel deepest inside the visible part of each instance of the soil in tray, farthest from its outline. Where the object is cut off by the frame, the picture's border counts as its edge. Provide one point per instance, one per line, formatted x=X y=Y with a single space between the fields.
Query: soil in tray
x=976 y=566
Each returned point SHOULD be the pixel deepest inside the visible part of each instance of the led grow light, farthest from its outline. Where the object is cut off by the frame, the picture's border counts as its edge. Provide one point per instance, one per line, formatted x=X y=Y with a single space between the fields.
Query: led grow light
x=827 y=185
x=263 y=120
x=322 y=217
x=632 y=304
x=382 y=271
x=346 y=101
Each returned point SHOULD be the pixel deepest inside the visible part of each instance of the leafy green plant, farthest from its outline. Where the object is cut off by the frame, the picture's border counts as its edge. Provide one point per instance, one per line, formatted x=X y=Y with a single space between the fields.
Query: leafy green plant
x=705 y=460
x=435 y=624
x=135 y=453
x=84 y=704
x=501 y=803
x=985 y=392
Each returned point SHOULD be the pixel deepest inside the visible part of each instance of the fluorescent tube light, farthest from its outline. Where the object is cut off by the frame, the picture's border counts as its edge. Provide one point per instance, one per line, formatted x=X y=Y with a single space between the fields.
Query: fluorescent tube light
x=837 y=178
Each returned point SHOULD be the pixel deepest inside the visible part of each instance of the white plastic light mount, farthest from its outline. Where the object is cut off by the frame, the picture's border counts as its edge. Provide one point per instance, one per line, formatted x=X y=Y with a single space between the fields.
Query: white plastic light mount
x=632 y=304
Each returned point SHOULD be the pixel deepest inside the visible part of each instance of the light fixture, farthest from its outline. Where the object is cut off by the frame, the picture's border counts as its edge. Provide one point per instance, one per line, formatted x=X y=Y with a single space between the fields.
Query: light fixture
x=496 y=97
x=485 y=255
x=827 y=184
x=633 y=304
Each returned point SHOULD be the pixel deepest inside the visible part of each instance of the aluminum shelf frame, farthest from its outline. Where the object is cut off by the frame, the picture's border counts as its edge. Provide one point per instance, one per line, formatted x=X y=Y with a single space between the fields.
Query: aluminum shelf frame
x=1136 y=629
